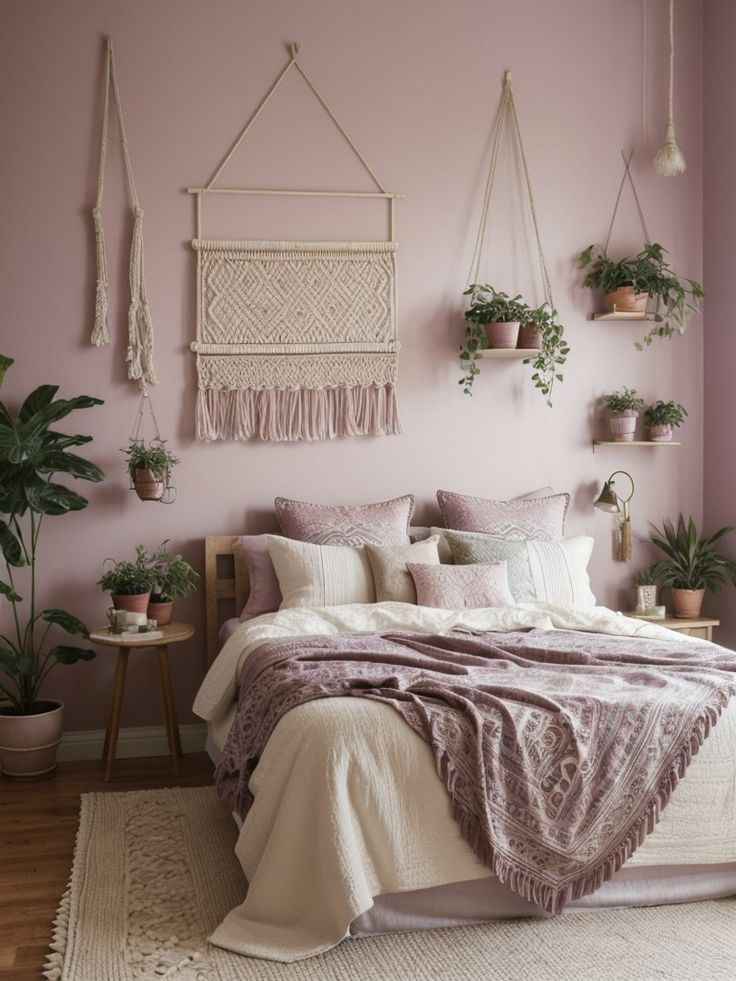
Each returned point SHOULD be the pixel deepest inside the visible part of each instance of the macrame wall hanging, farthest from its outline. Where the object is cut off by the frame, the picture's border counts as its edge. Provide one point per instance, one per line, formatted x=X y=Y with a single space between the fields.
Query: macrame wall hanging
x=295 y=340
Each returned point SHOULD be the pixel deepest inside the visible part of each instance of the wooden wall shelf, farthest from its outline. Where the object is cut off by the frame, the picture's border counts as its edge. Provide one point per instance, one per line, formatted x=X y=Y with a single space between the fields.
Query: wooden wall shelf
x=636 y=442
x=636 y=318
x=506 y=353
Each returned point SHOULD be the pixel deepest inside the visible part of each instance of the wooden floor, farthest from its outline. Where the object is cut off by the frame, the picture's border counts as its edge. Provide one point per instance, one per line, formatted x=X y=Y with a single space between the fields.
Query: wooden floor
x=38 y=825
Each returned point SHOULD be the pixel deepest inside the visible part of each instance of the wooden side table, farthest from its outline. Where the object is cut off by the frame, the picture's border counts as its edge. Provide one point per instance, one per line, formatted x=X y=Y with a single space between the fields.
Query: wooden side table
x=693 y=626
x=172 y=633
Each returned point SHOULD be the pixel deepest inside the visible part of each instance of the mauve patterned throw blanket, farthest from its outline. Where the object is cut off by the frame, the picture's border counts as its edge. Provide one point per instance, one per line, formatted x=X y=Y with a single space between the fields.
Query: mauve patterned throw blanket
x=559 y=749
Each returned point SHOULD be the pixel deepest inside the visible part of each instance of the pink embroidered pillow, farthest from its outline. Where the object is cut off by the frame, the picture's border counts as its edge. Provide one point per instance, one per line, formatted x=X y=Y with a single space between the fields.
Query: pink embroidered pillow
x=264 y=592
x=461 y=587
x=386 y=523
x=539 y=517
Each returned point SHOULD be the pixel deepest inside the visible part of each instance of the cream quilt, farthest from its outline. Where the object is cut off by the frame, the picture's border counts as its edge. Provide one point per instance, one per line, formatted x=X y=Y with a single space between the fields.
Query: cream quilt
x=380 y=820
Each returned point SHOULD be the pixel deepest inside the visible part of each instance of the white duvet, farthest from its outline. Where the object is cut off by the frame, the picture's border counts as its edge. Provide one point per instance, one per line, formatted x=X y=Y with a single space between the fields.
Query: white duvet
x=348 y=804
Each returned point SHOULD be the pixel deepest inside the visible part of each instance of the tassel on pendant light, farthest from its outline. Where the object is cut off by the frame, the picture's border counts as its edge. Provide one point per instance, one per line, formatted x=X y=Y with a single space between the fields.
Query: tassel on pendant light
x=670 y=161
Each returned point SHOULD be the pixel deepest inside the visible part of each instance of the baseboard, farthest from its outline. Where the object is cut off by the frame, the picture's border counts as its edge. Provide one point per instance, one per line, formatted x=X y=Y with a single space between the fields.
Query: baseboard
x=134 y=742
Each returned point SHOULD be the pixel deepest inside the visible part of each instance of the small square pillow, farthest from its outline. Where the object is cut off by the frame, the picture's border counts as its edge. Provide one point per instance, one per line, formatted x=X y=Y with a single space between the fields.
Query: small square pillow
x=539 y=517
x=388 y=564
x=386 y=523
x=320 y=575
x=264 y=594
x=461 y=587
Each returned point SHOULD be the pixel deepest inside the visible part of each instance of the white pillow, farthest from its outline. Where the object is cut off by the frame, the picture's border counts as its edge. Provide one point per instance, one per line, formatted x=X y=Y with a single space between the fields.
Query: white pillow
x=560 y=570
x=320 y=575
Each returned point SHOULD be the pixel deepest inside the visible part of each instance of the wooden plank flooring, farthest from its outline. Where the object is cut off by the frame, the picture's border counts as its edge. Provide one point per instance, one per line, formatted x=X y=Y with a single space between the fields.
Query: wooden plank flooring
x=38 y=826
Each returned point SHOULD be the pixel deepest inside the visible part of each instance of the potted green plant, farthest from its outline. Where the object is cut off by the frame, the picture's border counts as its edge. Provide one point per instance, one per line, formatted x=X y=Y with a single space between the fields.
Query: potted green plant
x=495 y=314
x=541 y=330
x=623 y=408
x=149 y=466
x=32 y=454
x=173 y=578
x=129 y=583
x=661 y=418
x=691 y=566
x=641 y=282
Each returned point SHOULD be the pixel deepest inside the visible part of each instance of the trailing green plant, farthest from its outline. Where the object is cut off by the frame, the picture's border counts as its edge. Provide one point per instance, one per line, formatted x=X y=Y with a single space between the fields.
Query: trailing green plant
x=625 y=400
x=32 y=454
x=692 y=562
x=665 y=414
x=173 y=577
x=675 y=299
x=149 y=456
x=553 y=353
x=129 y=578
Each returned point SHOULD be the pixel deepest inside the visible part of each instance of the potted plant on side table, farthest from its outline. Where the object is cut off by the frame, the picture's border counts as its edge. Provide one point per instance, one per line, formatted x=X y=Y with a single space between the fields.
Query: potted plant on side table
x=129 y=583
x=173 y=578
x=31 y=455
x=623 y=408
x=692 y=565
x=661 y=418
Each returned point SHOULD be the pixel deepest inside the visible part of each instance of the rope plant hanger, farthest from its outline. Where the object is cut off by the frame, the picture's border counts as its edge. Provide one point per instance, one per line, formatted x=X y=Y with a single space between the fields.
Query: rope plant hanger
x=670 y=161
x=149 y=462
x=295 y=340
x=554 y=349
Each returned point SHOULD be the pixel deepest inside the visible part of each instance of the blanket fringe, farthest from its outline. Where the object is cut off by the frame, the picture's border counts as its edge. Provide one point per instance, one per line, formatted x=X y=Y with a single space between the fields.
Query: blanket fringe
x=554 y=899
x=284 y=415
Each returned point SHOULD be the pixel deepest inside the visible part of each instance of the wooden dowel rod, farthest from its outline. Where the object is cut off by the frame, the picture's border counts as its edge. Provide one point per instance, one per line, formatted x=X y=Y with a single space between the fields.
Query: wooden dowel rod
x=321 y=194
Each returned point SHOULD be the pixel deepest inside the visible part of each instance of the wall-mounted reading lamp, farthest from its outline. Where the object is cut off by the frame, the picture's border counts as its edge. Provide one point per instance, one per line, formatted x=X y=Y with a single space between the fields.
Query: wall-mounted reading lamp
x=609 y=501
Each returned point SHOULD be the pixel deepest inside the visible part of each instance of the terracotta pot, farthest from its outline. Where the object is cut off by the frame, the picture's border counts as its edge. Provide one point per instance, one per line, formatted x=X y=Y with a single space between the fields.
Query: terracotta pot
x=623 y=426
x=147 y=485
x=503 y=335
x=687 y=603
x=160 y=612
x=28 y=743
x=530 y=337
x=625 y=300
x=135 y=603
x=660 y=434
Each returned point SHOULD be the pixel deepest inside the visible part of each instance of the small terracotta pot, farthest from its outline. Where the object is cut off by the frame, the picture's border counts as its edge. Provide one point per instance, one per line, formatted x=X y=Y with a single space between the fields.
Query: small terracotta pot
x=660 y=434
x=147 y=485
x=135 y=603
x=623 y=426
x=160 y=612
x=530 y=337
x=28 y=743
x=687 y=603
x=625 y=300
x=503 y=335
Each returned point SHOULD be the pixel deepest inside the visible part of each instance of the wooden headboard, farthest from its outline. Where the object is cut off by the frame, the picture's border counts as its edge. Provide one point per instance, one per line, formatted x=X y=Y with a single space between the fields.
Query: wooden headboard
x=226 y=585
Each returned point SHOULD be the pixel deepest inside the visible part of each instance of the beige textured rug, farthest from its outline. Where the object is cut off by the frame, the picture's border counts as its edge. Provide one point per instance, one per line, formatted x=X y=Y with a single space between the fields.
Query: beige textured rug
x=154 y=872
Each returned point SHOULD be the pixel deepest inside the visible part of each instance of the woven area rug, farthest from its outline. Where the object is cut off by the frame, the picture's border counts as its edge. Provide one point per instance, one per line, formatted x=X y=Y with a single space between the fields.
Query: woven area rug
x=154 y=873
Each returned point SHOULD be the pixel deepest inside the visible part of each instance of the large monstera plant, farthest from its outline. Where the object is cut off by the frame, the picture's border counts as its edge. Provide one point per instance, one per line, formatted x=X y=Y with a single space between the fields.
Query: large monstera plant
x=32 y=455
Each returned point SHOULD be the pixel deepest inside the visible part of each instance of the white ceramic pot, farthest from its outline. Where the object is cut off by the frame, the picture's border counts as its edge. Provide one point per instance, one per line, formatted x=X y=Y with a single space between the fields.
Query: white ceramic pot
x=646 y=598
x=28 y=743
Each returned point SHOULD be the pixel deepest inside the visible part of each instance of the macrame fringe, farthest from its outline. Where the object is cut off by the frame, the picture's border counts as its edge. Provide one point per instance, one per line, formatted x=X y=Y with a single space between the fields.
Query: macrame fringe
x=286 y=415
x=100 y=335
x=140 y=328
x=670 y=161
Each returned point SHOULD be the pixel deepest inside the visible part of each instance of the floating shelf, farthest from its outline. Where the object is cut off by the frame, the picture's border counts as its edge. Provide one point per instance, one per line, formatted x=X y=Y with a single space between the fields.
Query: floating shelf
x=635 y=442
x=637 y=318
x=504 y=353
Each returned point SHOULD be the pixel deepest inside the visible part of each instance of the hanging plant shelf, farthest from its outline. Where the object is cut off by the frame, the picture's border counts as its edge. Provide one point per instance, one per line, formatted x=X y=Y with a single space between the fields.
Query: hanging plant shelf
x=635 y=318
x=636 y=442
x=508 y=353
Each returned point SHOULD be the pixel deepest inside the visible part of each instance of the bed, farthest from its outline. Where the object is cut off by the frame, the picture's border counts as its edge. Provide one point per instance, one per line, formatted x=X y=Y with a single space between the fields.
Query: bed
x=351 y=832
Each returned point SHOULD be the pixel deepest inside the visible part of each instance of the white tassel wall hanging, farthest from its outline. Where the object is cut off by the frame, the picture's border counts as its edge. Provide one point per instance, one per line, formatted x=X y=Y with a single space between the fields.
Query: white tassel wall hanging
x=670 y=161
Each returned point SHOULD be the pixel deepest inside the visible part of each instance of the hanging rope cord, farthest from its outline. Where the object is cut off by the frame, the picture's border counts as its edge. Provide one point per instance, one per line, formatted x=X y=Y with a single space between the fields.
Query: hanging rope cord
x=139 y=356
x=506 y=108
x=627 y=174
x=670 y=161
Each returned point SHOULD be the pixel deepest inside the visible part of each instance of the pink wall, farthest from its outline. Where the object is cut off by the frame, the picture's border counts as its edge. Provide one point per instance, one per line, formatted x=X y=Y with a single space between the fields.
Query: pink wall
x=719 y=248
x=417 y=83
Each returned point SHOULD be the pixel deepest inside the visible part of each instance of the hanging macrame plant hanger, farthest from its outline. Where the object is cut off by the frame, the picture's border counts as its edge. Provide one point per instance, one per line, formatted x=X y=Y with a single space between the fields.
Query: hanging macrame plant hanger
x=295 y=340
x=627 y=176
x=150 y=486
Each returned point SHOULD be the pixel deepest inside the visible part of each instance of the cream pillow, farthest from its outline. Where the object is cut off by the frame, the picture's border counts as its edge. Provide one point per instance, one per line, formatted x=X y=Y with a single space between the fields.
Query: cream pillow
x=320 y=575
x=392 y=579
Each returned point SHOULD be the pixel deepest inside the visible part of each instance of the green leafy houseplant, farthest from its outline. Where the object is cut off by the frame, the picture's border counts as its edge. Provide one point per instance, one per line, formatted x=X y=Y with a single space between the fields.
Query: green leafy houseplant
x=149 y=456
x=31 y=455
x=665 y=414
x=647 y=577
x=173 y=577
x=623 y=401
x=675 y=299
x=553 y=352
x=692 y=563
x=129 y=578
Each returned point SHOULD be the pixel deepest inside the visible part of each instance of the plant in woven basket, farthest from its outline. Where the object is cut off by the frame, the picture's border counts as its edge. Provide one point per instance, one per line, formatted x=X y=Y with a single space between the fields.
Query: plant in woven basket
x=674 y=299
x=32 y=454
x=553 y=352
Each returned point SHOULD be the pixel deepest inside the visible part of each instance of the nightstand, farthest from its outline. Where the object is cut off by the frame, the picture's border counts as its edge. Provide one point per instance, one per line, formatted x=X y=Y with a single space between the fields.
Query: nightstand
x=692 y=626
x=172 y=633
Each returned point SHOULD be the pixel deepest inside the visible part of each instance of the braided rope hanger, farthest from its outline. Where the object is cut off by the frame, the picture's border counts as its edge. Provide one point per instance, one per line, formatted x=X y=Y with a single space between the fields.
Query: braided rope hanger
x=507 y=107
x=139 y=355
x=670 y=161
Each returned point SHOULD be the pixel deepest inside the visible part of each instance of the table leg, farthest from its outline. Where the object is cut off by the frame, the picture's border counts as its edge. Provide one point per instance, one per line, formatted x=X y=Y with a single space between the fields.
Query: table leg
x=113 y=726
x=172 y=726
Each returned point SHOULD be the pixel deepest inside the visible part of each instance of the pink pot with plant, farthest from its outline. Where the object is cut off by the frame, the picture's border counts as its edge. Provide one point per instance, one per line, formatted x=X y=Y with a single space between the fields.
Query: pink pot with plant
x=661 y=418
x=504 y=334
x=132 y=602
x=530 y=337
x=623 y=408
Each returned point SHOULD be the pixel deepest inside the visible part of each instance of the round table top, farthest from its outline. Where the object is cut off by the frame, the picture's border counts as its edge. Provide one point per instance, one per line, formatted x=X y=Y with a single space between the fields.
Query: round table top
x=170 y=633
